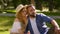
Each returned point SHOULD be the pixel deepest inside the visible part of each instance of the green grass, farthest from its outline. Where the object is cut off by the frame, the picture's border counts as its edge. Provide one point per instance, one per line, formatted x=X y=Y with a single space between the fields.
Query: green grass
x=4 y=32
x=5 y=24
x=6 y=20
x=57 y=20
x=9 y=11
x=51 y=13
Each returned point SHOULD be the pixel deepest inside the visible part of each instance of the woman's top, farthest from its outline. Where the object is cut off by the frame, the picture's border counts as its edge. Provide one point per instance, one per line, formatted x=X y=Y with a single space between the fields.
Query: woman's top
x=16 y=26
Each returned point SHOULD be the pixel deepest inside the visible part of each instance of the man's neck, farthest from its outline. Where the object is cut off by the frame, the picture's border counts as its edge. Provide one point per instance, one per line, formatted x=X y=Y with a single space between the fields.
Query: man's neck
x=32 y=16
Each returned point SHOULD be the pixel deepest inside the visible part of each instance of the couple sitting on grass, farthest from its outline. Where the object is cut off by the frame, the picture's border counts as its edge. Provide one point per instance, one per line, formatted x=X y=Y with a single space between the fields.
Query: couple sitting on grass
x=28 y=22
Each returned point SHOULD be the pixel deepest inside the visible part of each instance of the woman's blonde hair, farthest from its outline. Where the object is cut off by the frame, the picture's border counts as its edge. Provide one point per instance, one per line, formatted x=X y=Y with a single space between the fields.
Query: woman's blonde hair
x=21 y=18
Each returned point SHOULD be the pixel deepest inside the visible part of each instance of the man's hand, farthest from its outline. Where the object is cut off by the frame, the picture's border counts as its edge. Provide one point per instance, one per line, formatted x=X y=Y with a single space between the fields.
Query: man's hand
x=57 y=30
x=28 y=32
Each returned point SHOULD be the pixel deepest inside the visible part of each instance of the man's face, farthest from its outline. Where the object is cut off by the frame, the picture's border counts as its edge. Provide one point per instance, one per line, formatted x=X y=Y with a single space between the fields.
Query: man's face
x=31 y=11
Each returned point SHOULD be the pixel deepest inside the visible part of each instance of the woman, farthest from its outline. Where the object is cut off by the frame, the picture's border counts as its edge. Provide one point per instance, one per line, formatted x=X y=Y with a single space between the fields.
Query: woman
x=20 y=21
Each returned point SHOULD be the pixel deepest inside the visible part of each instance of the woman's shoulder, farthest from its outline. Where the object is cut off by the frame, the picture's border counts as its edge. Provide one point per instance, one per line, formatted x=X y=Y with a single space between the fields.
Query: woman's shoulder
x=16 y=20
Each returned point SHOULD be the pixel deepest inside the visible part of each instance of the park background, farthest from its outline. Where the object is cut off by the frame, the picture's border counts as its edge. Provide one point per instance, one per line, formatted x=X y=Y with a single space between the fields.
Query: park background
x=7 y=11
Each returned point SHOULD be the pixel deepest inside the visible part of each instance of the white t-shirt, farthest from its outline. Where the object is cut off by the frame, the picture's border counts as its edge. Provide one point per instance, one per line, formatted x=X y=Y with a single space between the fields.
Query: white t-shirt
x=16 y=26
x=34 y=25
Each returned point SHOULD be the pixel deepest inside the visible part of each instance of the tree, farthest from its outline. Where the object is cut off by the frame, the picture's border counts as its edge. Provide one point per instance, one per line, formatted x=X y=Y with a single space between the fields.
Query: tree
x=16 y=2
x=56 y=4
x=28 y=1
x=51 y=5
x=33 y=2
x=4 y=3
x=38 y=4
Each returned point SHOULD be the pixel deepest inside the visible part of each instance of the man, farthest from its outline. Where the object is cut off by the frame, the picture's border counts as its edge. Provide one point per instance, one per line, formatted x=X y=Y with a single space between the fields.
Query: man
x=37 y=23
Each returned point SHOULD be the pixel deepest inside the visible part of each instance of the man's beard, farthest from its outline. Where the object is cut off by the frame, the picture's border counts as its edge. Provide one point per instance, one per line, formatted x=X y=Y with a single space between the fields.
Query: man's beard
x=33 y=15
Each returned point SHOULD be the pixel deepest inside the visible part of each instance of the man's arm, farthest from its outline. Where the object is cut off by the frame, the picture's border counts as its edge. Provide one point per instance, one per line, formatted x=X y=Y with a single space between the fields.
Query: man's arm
x=54 y=23
x=50 y=20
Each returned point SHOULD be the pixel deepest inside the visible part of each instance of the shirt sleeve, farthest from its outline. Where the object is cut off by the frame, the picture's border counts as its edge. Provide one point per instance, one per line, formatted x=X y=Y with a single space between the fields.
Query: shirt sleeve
x=46 y=18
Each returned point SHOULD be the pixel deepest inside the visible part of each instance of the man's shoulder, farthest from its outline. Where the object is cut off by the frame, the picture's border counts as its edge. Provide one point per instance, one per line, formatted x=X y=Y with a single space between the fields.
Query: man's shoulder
x=41 y=14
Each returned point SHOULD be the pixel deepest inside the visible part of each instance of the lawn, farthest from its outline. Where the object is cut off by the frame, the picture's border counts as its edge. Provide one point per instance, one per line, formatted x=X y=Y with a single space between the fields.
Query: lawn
x=5 y=24
x=4 y=32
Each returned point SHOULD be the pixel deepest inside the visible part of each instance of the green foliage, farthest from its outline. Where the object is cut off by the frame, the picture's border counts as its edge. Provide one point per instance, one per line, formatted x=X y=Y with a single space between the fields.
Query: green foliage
x=25 y=2
x=57 y=20
x=51 y=13
x=57 y=4
x=16 y=2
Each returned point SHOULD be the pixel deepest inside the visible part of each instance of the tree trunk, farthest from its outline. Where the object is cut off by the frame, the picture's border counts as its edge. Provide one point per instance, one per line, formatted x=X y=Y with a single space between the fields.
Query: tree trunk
x=51 y=5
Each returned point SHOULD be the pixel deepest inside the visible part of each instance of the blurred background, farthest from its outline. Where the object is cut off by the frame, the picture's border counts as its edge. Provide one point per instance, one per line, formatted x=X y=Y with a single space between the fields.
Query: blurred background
x=7 y=11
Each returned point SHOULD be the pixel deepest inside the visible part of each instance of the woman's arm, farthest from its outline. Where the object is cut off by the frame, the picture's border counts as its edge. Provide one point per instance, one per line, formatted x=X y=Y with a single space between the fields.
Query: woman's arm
x=18 y=26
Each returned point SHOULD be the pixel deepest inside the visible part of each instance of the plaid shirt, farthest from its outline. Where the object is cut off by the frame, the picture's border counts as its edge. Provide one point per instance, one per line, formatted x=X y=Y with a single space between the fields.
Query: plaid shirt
x=41 y=21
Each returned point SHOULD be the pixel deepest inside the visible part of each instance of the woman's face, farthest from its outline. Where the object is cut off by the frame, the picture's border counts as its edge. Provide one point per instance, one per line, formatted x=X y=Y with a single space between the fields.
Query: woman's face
x=24 y=12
